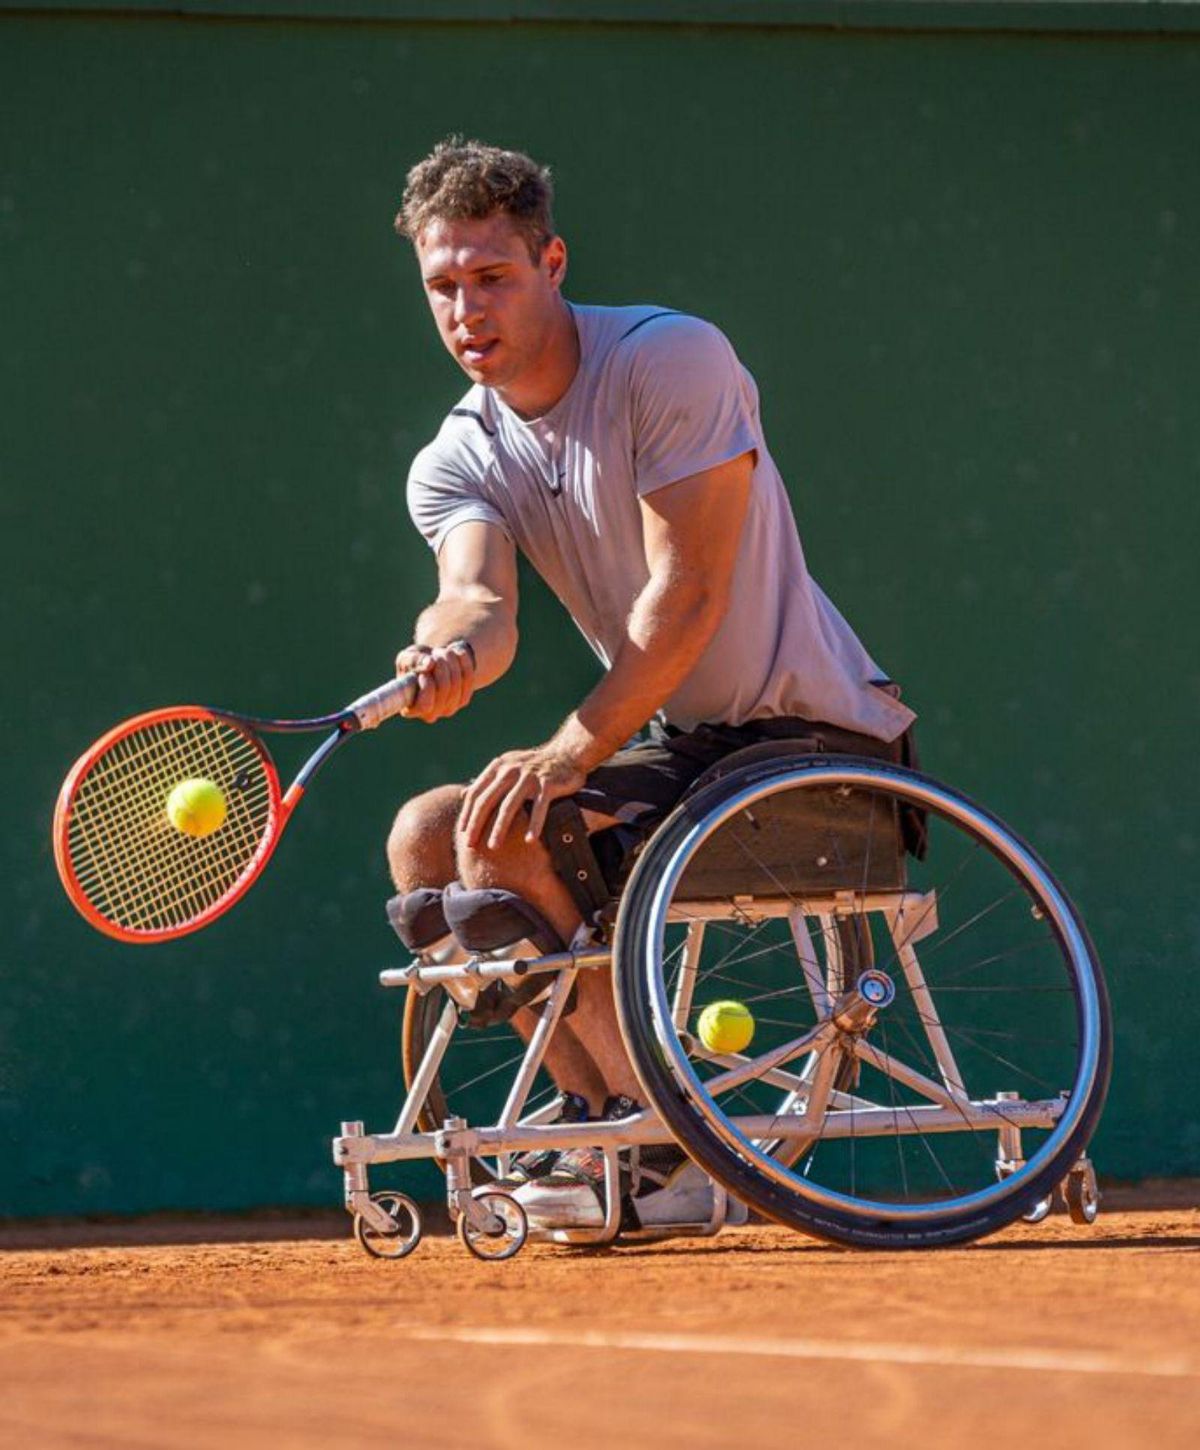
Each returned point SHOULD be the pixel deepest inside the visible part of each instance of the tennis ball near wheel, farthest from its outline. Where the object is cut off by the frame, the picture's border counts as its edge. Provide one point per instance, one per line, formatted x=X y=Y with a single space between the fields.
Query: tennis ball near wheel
x=196 y=807
x=726 y=1027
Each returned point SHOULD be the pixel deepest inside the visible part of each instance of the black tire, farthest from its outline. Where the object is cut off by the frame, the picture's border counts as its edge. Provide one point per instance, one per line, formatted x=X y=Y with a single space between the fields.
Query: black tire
x=822 y=841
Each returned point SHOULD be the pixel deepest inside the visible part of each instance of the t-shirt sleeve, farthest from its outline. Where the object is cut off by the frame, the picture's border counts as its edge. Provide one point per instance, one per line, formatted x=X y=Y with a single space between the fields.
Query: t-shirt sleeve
x=690 y=400
x=443 y=494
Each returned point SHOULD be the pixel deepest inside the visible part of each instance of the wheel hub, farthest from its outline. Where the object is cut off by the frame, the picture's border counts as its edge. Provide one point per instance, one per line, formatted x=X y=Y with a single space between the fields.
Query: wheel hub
x=877 y=987
x=855 y=1011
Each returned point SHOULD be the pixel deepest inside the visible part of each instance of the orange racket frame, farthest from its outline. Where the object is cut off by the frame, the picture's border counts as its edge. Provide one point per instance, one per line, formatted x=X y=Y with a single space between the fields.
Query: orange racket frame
x=275 y=808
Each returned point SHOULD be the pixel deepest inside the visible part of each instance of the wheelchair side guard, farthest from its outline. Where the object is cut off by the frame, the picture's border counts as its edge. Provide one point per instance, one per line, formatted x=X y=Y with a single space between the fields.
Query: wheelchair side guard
x=826 y=741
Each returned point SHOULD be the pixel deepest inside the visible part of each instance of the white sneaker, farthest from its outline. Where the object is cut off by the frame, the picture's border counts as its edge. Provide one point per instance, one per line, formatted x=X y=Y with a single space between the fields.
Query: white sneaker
x=559 y=1202
x=685 y=1198
x=572 y=1196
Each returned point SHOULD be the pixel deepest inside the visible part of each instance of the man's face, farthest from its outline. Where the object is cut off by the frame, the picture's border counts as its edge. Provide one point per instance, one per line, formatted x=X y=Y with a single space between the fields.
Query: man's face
x=494 y=307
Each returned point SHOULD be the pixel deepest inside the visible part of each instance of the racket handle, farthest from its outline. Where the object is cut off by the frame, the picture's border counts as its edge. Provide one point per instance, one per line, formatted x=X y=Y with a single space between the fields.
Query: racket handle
x=388 y=700
x=379 y=705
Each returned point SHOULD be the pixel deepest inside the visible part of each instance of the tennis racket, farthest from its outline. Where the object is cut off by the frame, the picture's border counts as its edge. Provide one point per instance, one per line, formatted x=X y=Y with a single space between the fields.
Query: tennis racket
x=136 y=876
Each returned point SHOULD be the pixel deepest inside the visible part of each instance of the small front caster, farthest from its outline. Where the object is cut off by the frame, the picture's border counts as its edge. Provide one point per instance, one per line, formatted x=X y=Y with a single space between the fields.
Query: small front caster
x=501 y=1230
x=397 y=1243
x=1082 y=1192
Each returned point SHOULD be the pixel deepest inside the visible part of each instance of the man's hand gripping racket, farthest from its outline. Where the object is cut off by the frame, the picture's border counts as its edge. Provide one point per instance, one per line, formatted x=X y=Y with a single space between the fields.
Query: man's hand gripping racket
x=169 y=818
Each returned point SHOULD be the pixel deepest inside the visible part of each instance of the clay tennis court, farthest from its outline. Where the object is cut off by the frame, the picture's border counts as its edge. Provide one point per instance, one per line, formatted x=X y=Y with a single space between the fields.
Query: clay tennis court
x=1052 y=1335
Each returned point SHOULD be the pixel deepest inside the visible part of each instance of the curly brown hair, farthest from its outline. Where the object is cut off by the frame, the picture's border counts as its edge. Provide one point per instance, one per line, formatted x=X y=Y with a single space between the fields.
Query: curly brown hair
x=468 y=179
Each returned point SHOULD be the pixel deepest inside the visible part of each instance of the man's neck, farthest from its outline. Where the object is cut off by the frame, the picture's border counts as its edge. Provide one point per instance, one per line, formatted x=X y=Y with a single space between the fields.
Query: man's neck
x=539 y=389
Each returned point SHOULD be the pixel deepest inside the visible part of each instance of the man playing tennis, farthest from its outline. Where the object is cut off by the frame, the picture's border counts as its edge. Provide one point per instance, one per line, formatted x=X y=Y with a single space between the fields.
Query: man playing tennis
x=620 y=449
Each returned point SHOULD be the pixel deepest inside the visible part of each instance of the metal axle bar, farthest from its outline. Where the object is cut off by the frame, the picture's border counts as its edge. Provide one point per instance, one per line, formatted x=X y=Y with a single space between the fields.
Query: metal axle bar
x=487 y=969
x=988 y=1115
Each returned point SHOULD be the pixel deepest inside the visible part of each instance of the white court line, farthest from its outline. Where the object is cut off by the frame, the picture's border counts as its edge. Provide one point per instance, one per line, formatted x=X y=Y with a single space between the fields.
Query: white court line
x=1054 y=1361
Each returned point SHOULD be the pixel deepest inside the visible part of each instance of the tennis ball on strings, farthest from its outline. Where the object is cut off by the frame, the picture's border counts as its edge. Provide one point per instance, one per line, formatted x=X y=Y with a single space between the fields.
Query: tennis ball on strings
x=196 y=807
x=726 y=1027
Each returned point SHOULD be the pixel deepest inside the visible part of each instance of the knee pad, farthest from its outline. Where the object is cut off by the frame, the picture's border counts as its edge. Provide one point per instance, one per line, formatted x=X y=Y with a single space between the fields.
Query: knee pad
x=489 y=919
x=418 y=918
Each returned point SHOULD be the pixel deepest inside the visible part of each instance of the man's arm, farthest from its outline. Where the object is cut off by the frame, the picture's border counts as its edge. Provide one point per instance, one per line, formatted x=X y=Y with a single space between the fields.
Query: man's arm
x=477 y=604
x=692 y=531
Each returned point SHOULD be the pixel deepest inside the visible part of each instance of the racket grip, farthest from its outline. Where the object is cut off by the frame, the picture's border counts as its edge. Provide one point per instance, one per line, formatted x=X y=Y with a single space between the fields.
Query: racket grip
x=388 y=700
x=379 y=705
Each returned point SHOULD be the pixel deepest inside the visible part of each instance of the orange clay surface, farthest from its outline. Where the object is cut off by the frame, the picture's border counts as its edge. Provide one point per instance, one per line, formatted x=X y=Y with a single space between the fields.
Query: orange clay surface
x=1048 y=1336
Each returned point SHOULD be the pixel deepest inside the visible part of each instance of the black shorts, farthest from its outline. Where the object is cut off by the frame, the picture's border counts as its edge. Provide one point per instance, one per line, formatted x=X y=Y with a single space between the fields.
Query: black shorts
x=643 y=783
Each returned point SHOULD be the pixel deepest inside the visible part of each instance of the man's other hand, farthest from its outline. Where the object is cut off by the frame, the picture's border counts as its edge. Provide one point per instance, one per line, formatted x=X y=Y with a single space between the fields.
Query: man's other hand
x=447 y=680
x=513 y=780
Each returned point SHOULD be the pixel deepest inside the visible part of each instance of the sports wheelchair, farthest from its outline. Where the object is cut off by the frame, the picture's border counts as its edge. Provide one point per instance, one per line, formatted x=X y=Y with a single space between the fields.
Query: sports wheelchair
x=932 y=1036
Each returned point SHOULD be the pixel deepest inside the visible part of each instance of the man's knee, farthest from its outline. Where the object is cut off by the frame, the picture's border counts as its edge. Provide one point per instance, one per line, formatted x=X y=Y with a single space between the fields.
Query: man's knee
x=420 y=845
x=525 y=869
x=513 y=863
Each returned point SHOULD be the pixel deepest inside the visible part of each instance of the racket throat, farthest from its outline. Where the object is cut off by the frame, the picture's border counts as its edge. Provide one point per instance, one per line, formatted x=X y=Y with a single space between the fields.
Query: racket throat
x=314 y=762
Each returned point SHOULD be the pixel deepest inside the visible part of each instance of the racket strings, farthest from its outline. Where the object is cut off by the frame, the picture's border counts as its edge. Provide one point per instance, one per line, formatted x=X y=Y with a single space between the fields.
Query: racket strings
x=133 y=866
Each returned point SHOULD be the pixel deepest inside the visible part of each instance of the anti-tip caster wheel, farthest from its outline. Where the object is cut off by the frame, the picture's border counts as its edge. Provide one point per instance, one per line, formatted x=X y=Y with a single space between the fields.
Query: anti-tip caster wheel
x=406 y=1216
x=1082 y=1193
x=508 y=1235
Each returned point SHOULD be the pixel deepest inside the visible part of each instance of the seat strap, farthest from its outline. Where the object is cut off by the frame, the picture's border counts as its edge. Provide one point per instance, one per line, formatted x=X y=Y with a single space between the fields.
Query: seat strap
x=574 y=860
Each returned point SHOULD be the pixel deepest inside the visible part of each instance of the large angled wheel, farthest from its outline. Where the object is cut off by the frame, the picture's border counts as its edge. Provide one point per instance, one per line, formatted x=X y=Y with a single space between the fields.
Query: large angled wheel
x=928 y=1100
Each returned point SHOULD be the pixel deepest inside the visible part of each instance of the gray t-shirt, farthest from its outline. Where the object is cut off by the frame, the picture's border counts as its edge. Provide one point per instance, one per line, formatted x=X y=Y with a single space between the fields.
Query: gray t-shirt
x=659 y=396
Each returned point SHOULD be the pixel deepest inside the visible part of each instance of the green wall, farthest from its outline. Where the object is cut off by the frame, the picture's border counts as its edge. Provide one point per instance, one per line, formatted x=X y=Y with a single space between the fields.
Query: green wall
x=964 y=271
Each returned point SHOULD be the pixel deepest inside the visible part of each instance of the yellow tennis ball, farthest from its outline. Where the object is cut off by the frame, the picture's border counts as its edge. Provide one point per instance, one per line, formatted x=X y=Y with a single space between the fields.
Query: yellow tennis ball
x=196 y=807
x=726 y=1027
